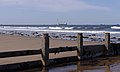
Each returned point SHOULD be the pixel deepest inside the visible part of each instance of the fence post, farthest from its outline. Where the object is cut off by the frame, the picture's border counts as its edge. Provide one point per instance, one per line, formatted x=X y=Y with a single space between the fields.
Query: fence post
x=45 y=49
x=80 y=45
x=107 y=41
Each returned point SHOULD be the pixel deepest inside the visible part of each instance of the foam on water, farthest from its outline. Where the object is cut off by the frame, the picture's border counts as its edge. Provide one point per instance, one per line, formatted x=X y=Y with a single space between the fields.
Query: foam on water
x=54 y=29
x=115 y=27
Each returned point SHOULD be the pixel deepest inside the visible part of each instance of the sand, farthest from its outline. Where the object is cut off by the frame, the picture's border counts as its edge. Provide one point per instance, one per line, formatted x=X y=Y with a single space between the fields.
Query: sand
x=16 y=43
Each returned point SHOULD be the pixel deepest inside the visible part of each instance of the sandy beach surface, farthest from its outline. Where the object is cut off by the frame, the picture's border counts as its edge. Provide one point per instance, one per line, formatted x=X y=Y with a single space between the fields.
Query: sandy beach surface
x=16 y=43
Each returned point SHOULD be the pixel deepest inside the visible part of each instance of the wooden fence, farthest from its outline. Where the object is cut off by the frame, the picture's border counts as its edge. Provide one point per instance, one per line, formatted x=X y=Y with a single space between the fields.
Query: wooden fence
x=83 y=52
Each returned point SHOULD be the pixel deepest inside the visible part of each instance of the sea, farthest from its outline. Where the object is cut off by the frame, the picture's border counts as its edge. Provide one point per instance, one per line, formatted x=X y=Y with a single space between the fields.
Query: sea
x=94 y=32
x=64 y=28
x=107 y=64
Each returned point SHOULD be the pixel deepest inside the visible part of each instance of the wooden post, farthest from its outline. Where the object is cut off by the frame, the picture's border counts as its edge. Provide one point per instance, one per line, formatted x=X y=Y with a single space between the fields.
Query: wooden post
x=45 y=49
x=107 y=41
x=80 y=45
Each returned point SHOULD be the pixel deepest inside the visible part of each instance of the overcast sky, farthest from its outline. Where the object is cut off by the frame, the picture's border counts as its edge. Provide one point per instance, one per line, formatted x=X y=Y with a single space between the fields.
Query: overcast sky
x=54 y=11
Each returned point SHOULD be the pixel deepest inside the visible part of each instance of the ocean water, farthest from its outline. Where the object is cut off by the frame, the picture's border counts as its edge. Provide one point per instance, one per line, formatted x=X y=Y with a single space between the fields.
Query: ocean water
x=62 y=31
x=66 y=28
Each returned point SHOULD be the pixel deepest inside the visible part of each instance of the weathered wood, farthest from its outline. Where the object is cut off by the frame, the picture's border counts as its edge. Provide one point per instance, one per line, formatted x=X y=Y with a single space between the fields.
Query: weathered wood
x=114 y=49
x=19 y=53
x=80 y=45
x=93 y=51
x=107 y=42
x=62 y=49
x=63 y=60
x=84 y=52
x=51 y=50
x=20 y=66
x=45 y=49
x=35 y=64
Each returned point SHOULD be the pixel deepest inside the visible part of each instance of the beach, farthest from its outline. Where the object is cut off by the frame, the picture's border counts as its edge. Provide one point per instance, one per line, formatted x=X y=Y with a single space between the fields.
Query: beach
x=19 y=43
x=32 y=40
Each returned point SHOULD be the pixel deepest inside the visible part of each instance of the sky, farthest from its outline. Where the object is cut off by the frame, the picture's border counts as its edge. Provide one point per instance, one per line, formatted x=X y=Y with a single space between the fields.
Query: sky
x=59 y=11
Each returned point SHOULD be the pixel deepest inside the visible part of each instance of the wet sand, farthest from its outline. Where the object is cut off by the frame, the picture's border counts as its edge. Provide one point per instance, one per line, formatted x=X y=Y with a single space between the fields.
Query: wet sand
x=106 y=64
x=16 y=43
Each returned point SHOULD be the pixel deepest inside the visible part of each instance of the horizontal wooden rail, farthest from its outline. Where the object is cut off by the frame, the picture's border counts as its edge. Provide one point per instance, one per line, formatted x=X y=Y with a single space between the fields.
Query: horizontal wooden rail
x=94 y=46
x=62 y=49
x=51 y=50
x=34 y=52
x=63 y=60
x=20 y=66
x=19 y=53
x=33 y=64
